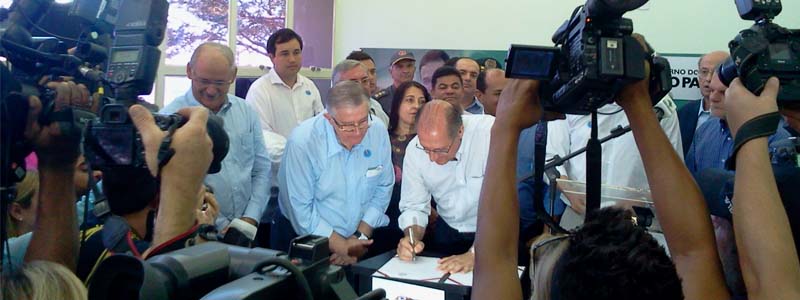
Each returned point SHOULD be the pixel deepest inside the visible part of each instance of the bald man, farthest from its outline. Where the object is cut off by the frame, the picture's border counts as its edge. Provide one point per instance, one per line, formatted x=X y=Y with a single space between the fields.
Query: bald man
x=489 y=85
x=242 y=185
x=695 y=113
x=444 y=161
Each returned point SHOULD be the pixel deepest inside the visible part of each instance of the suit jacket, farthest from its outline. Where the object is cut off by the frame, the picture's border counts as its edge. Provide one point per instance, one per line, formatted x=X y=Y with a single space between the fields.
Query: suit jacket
x=687 y=118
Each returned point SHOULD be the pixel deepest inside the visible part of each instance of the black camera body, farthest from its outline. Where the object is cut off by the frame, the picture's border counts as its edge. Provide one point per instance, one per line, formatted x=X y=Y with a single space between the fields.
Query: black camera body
x=217 y=271
x=594 y=58
x=764 y=50
x=113 y=141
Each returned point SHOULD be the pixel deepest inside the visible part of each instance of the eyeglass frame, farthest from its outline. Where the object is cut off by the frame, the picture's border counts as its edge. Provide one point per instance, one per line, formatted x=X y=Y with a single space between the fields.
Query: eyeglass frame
x=208 y=82
x=439 y=151
x=355 y=126
x=539 y=245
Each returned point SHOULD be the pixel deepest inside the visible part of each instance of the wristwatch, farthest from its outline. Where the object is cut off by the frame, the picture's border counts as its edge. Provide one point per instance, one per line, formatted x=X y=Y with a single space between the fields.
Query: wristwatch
x=360 y=235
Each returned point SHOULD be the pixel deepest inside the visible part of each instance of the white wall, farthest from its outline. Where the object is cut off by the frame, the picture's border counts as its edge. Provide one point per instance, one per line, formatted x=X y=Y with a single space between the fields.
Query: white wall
x=671 y=26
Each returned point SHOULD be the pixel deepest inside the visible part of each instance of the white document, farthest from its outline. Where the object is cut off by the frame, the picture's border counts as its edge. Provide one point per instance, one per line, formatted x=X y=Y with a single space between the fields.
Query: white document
x=423 y=269
x=396 y=290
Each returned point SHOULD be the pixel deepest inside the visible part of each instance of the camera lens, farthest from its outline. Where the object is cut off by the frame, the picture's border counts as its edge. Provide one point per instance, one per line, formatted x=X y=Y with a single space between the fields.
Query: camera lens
x=727 y=72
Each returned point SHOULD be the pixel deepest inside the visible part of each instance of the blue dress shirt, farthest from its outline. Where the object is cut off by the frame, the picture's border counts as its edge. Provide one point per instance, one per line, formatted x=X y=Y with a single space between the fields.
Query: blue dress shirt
x=326 y=188
x=476 y=108
x=713 y=145
x=242 y=185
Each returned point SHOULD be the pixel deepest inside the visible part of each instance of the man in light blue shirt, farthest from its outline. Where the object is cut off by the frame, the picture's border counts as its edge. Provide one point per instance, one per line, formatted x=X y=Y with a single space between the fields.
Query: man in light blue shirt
x=336 y=177
x=242 y=185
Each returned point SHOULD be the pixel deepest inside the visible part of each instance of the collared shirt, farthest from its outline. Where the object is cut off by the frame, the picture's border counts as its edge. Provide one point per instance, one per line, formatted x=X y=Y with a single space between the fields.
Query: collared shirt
x=621 y=162
x=713 y=145
x=702 y=114
x=242 y=185
x=476 y=108
x=376 y=110
x=326 y=188
x=456 y=186
x=281 y=107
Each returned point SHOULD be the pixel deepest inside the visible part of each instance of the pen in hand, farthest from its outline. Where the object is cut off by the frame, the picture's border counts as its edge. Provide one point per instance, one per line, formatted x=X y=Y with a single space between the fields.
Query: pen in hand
x=411 y=238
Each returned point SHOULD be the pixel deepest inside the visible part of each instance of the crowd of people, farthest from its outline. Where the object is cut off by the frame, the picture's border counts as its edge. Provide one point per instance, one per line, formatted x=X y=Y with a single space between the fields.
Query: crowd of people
x=440 y=167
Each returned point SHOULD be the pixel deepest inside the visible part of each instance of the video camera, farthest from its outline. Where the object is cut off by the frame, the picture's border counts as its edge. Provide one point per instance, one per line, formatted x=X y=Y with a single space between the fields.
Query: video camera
x=764 y=50
x=594 y=58
x=124 y=34
x=218 y=271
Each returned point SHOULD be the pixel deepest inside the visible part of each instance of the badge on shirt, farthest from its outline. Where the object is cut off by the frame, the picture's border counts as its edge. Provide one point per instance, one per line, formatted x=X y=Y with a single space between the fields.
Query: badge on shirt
x=308 y=92
x=367 y=153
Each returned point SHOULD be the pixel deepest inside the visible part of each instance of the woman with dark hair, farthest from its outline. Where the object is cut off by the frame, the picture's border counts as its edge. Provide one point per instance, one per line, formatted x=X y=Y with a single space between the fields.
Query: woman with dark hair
x=408 y=98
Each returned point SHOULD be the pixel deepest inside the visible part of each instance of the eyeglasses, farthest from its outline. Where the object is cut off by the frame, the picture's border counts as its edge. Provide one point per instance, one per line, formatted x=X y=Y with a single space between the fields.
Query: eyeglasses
x=436 y=151
x=351 y=127
x=535 y=257
x=704 y=73
x=216 y=83
x=208 y=82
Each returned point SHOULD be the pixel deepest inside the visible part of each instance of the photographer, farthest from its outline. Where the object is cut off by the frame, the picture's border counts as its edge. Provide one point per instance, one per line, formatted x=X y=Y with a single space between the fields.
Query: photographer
x=608 y=258
x=132 y=196
x=768 y=259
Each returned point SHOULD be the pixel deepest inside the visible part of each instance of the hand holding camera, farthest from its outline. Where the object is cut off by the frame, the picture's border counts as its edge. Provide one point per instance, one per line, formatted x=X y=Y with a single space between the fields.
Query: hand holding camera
x=744 y=106
x=182 y=175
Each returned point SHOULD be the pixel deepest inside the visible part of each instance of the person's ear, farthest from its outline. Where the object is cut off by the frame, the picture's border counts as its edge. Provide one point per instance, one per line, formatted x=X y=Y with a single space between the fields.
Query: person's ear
x=16 y=211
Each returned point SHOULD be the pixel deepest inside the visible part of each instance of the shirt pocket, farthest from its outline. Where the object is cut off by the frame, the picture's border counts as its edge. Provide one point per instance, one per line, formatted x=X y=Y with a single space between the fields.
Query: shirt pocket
x=373 y=177
x=245 y=154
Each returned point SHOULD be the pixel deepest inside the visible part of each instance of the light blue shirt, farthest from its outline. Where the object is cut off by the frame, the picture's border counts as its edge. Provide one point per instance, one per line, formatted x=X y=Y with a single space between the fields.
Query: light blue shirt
x=702 y=114
x=242 y=185
x=476 y=108
x=14 y=254
x=326 y=188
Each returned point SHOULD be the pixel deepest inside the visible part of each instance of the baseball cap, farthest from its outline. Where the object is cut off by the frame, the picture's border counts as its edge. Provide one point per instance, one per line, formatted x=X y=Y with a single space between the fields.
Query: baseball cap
x=401 y=55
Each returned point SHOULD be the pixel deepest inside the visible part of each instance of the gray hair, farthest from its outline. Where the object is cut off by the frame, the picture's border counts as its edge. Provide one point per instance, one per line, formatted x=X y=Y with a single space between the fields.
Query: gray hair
x=345 y=93
x=344 y=66
x=222 y=49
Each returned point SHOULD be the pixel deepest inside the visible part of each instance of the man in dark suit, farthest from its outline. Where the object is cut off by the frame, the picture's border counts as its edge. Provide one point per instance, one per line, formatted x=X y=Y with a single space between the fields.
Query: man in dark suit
x=691 y=115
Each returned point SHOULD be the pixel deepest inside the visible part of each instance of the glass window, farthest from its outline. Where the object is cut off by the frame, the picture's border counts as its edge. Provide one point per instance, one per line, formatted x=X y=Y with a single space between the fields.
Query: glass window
x=192 y=22
x=256 y=21
x=175 y=86
x=150 y=98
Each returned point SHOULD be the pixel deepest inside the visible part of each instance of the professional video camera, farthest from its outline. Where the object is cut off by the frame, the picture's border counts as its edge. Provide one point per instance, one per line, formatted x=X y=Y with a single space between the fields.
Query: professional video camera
x=132 y=59
x=594 y=58
x=764 y=50
x=218 y=271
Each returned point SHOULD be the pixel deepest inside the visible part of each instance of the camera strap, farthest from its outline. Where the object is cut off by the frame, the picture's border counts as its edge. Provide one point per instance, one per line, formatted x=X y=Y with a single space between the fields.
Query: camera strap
x=761 y=126
x=165 y=152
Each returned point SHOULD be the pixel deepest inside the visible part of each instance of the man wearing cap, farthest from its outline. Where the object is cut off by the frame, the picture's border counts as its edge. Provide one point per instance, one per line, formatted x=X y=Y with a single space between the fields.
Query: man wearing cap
x=402 y=70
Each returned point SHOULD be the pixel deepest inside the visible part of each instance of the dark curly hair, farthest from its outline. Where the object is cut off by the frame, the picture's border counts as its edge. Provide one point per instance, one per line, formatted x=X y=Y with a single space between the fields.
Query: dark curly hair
x=612 y=258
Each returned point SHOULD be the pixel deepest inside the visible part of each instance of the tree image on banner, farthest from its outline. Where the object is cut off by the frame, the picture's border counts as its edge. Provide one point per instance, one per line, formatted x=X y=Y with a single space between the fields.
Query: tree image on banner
x=192 y=22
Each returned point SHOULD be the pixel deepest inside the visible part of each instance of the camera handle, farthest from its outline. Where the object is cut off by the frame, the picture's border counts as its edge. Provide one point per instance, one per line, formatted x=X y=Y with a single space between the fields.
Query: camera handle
x=594 y=165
